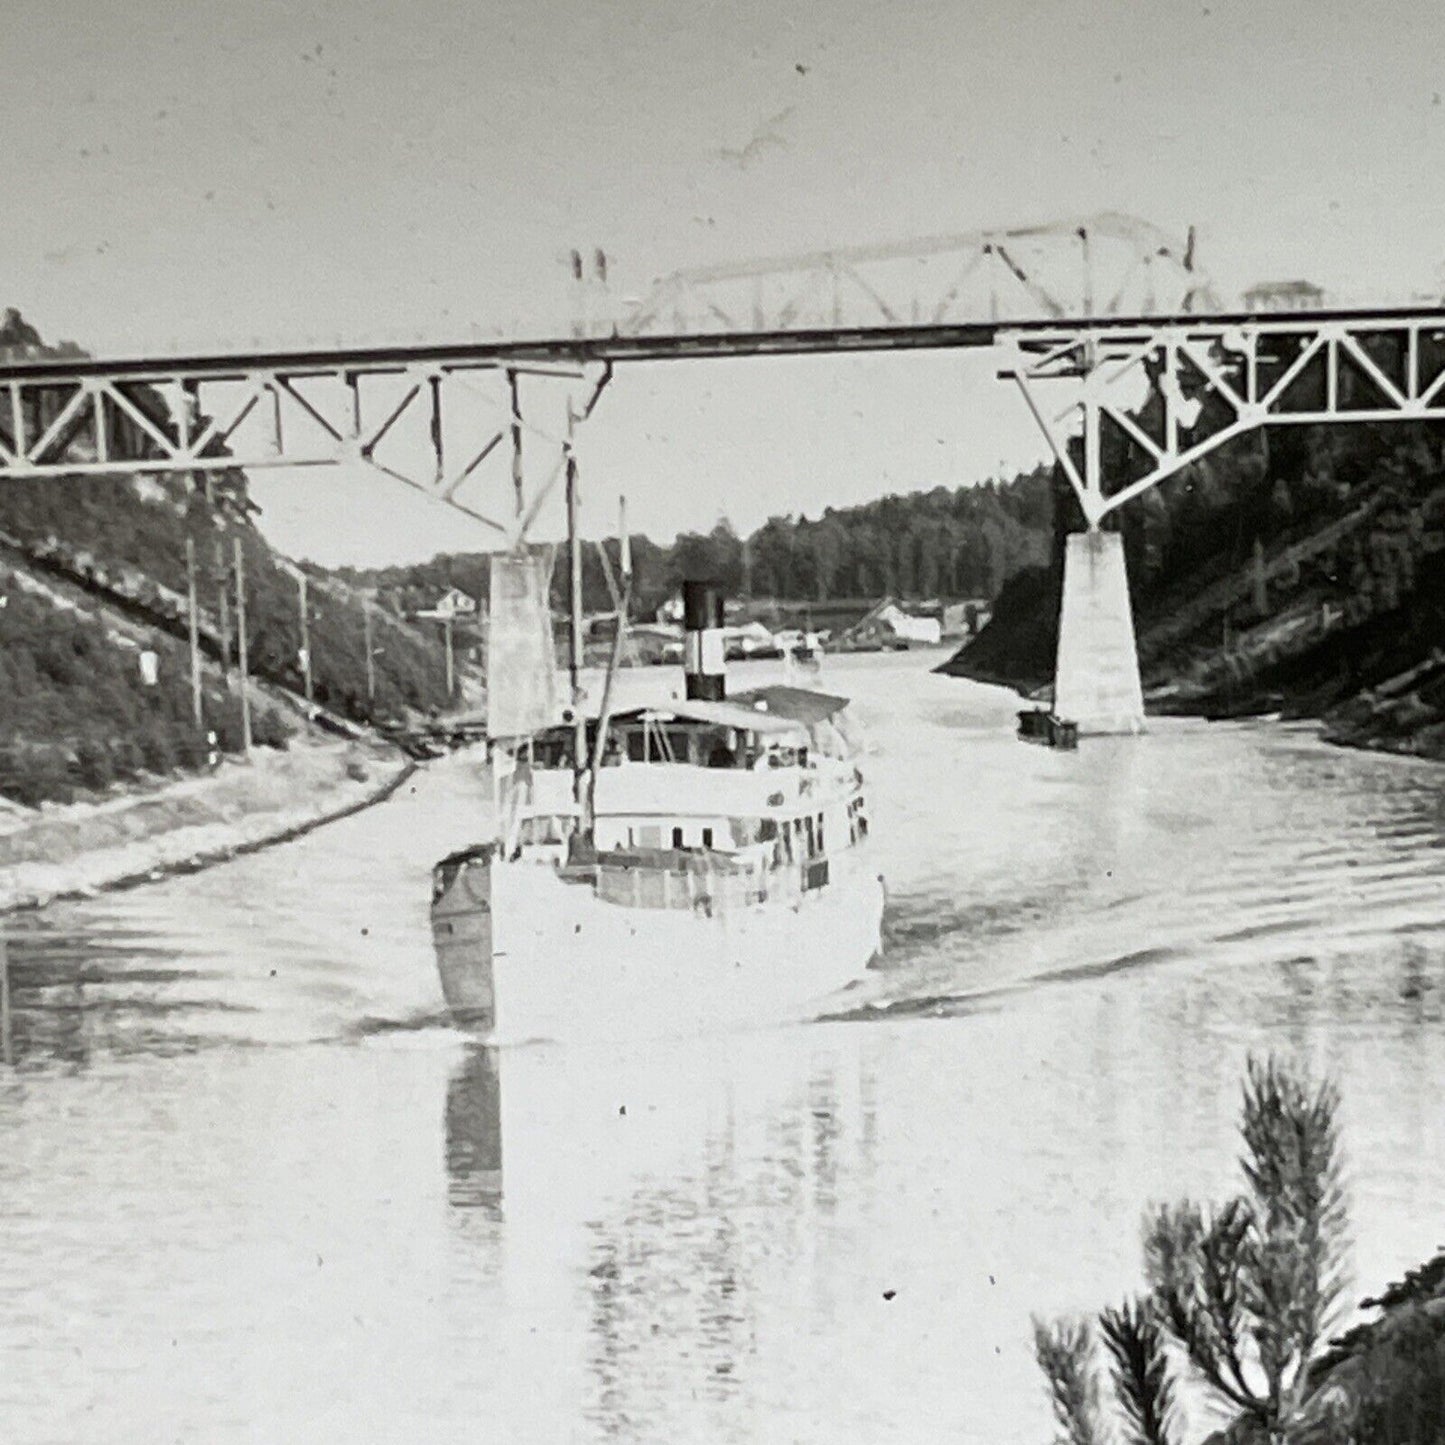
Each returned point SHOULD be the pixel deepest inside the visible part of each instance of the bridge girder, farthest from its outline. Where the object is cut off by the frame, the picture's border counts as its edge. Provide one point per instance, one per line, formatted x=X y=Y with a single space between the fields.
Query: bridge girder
x=1095 y=266
x=460 y=418
x=1174 y=392
x=1213 y=377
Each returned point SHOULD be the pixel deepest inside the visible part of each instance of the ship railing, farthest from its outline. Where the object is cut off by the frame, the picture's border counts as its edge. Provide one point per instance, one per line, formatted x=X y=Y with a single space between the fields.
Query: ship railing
x=708 y=884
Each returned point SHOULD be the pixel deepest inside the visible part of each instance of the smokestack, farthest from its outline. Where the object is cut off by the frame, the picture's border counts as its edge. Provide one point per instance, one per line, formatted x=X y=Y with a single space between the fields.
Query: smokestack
x=702 y=647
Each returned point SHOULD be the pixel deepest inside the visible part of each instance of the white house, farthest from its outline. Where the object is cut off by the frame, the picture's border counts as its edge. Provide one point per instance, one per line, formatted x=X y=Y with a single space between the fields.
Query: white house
x=451 y=605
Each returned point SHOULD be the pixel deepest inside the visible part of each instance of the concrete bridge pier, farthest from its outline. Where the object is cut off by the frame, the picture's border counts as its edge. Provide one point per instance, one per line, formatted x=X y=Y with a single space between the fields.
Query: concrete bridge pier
x=1096 y=668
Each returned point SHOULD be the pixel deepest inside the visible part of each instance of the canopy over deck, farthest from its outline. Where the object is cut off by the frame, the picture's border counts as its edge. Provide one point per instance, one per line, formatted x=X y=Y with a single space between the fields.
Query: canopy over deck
x=717 y=714
x=797 y=704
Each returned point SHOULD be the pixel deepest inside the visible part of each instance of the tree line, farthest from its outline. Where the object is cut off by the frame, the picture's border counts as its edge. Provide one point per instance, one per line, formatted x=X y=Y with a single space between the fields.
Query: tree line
x=950 y=542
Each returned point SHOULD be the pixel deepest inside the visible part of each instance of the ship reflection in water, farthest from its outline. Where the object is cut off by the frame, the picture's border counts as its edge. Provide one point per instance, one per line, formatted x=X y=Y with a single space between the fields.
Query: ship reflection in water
x=474 y=1132
x=663 y=1207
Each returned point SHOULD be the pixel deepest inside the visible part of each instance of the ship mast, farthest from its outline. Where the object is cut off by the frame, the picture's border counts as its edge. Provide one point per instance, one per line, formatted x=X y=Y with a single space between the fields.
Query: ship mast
x=574 y=598
x=619 y=637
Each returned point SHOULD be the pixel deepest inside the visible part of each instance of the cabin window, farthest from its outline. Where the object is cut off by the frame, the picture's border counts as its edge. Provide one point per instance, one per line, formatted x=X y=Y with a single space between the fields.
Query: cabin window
x=677 y=837
x=707 y=837
x=812 y=838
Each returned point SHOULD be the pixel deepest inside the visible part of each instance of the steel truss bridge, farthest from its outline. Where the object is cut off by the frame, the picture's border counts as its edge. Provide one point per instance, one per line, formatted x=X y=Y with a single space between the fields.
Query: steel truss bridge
x=1110 y=304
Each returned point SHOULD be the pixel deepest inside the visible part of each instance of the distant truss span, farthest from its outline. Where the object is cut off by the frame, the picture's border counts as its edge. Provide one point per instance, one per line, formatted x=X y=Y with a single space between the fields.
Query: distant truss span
x=1092 y=267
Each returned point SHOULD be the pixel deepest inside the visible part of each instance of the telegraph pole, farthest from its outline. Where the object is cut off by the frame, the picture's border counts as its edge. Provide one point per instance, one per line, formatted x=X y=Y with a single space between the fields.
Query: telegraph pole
x=7 y=1045
x=193 y=630
x=574 y=590
x=241 y=660
x=305 y=635
x=515 y=402
x=225 y=606
x=370 y=660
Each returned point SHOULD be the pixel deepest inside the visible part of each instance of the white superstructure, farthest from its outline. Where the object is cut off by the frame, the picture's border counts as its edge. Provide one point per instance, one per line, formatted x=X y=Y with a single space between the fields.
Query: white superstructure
x=720 y=877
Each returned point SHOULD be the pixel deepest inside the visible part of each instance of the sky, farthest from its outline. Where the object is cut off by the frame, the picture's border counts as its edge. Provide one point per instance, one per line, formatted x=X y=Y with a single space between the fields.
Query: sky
x=227 y=172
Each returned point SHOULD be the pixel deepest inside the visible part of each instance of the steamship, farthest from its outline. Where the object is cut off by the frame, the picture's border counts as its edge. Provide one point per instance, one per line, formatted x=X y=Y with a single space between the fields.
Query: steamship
x=667 y=870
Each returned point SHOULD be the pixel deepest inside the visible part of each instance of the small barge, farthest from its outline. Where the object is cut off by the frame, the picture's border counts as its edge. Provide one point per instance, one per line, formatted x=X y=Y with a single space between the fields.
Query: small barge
x=1039 y=725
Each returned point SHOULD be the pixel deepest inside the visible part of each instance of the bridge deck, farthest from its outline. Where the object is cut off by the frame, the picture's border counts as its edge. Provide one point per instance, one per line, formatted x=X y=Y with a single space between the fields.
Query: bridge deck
x=578 y=350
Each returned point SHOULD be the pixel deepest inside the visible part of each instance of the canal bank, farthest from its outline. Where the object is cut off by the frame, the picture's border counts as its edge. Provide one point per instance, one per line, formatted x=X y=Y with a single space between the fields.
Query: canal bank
x=75 y=850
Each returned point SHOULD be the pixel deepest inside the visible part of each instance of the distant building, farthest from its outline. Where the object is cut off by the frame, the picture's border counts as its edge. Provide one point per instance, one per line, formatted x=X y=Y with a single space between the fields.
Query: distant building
x=888 y=625
x=453 y=605
x=1285 y=296
x=748 y=639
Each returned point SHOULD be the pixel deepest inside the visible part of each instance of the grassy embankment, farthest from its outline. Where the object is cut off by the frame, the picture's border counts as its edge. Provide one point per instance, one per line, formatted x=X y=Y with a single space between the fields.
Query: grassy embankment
x=106 y=772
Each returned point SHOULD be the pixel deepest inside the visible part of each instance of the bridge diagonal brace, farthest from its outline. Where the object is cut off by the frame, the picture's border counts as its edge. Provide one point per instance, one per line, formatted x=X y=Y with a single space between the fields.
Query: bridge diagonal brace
x=970 y=266
x=431 y=492
x=1367 y=364
x=871 y=292
x=801 y=294
x=1170 y=463
x=167 y=444
x=63 y=425
x=565 y=461
x=366 y=445
x=287 y=384
x=1431 y=394
x=1134 y=431
x=1039 y=294
x=1311 y=349
x=514 y=416
x=449 y=489
x=219 y=429
x=1212 y=373
x=1087 y=499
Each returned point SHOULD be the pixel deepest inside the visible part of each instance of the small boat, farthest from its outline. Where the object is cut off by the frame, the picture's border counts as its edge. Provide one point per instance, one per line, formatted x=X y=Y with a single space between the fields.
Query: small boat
x=803 y=655
x=1039 y=725
x=676 y=869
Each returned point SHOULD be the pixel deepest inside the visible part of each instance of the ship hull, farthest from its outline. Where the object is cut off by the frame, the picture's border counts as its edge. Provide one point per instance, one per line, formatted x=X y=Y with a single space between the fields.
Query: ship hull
x=525 y=954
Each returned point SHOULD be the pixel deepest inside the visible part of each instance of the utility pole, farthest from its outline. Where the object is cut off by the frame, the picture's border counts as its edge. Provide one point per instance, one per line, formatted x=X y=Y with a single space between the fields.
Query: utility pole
x=305 y=635
x=7 y=1045
x=225 y=606
x=241 y=659
x=193 y=630
x=515 y=404
x=574 y=597
x=370 y=660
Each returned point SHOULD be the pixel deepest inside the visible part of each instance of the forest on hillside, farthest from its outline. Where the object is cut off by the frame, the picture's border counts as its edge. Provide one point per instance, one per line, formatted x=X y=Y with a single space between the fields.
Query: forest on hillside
x=1293 y=568
x=958 y=542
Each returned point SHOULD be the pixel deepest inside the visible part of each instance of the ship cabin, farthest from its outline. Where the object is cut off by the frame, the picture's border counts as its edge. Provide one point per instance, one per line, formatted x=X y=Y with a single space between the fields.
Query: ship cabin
x=755 y=785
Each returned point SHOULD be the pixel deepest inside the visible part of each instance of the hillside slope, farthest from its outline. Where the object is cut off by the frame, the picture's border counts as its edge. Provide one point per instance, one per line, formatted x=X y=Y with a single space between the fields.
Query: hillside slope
x=93 y=573
x=1295 y=571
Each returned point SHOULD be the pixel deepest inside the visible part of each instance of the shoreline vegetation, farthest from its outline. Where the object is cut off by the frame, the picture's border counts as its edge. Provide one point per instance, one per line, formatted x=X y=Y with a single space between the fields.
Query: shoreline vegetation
x=1293 y=573
x=1243 y=1305
x=185 y=824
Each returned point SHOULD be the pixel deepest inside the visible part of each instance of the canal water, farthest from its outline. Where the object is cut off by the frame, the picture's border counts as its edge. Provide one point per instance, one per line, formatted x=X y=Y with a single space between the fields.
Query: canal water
x=253 y=1188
